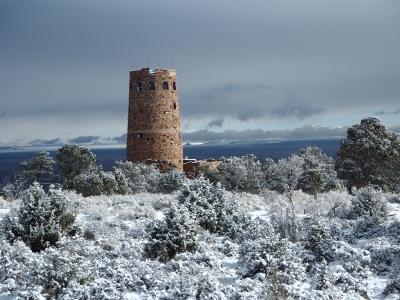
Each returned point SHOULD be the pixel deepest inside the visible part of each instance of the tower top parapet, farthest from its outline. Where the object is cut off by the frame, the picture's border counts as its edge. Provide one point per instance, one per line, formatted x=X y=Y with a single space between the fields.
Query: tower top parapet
x=170 y=72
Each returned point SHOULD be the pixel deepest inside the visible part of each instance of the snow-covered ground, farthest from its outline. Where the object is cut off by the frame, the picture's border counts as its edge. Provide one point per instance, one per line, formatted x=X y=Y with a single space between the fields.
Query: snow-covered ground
x=107 y=262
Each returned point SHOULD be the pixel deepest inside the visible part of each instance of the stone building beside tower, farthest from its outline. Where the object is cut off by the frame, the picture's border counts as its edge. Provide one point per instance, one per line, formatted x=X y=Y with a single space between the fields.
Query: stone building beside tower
x=154 y=121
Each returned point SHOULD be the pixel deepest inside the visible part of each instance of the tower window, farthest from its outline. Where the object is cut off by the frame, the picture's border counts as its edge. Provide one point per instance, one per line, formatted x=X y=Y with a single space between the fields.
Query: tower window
x=174 y=105
x=139 y=135
x=174 y=86
x=139 y=86
x=165 y=85
x=130 y=85
x=152 y=86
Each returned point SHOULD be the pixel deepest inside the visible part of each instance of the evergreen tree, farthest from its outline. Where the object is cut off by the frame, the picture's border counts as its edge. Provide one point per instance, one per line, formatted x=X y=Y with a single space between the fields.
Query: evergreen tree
x=370 y=155
x=73 y=160
x=176 y=233
x=204 y=200
x=39 y=169
x=371 y=203
x=41 y=219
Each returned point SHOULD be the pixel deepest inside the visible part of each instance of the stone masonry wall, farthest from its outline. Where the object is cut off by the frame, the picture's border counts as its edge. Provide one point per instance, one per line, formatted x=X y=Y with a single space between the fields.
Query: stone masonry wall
x=154 y=121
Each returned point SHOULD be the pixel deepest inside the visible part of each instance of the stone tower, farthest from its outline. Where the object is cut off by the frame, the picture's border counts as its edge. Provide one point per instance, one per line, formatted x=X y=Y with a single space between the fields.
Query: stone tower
x=153 y=122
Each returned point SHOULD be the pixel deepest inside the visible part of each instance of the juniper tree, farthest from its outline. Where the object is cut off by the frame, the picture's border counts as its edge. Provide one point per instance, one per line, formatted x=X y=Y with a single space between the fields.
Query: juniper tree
x=73 y=160
x=41 y=219
x=176 y=233
x=370 y=155
x=38 y=168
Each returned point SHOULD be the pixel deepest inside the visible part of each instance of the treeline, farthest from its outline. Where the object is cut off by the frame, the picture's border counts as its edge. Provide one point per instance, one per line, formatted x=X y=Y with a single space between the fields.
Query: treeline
x=75 y=168
x=368 y=156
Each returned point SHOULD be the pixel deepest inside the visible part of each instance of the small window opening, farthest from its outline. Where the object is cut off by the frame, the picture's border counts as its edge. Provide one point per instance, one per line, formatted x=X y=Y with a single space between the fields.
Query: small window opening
x=139 y=86
x=174 y=86
x=174 y=105
x=152 y=86
x=139 y=135
x=165 y=85
x=130 y=85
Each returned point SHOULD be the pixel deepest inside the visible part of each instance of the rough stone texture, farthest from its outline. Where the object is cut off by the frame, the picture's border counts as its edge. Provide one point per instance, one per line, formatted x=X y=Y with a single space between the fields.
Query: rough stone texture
x=153 y=121
x=192 y=167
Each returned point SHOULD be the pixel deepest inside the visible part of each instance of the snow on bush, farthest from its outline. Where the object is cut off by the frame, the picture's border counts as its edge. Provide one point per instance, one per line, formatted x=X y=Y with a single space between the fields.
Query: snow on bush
x=141 y=177
x=211 y=209
x=238 y=174
x=41 y=219
x=97 y=182
x=171 y=181
x=176 y=233
x=369 y=203
x=238 y=257
x=308 y=170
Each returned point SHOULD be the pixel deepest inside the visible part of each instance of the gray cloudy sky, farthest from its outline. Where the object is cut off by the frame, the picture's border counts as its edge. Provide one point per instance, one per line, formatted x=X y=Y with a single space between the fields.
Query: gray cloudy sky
x=242 y=65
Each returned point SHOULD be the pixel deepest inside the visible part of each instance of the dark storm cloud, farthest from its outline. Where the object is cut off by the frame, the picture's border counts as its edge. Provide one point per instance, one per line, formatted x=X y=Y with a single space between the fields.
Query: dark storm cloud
x=215 y=123
x=243 y=100
x=297 y=110
x=226 y=91
x=247 y=101
x=383 y=112
x=71 y=58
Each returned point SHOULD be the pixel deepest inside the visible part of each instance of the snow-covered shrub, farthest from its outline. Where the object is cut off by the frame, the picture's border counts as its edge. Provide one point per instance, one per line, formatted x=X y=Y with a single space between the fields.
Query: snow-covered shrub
x=14 y=268
x=369 y=203
x=176 y=233
x=8 y=191
x=238 y=174
x=122 y=183
x=318 y=241
x=171 y=181
x=319 y=173
x=285 y=222
x=370 y=154
x=232 y=221
x=309 y=170
x=213 y=212
x=385 y=256
x=140 y=177
x=271 y=256
x=73 y=160
x=41 y=219
x=262 y=253
x=284 y=175
x=97 y=182
x=393 y=287
x=204 y=200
